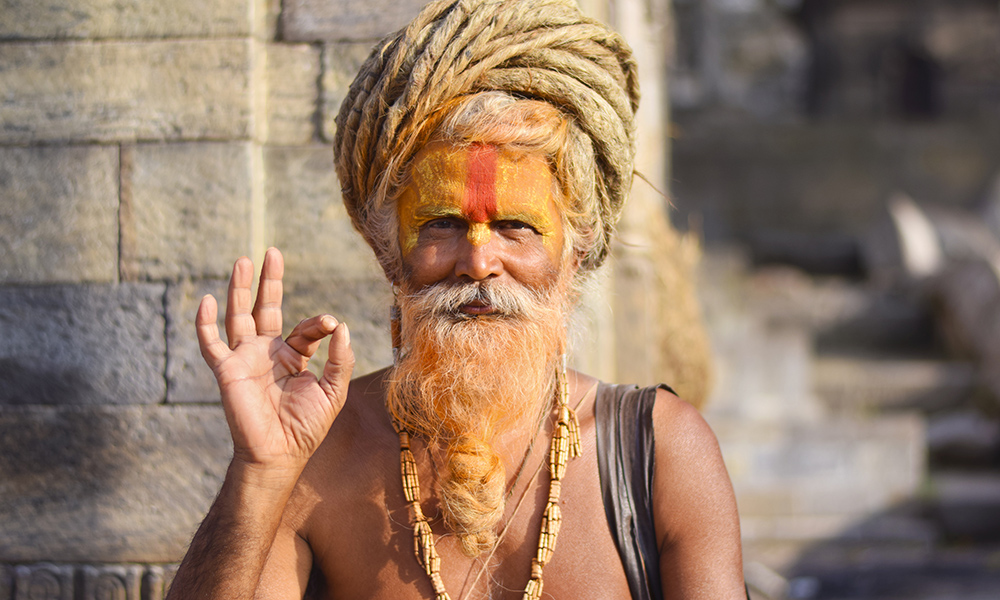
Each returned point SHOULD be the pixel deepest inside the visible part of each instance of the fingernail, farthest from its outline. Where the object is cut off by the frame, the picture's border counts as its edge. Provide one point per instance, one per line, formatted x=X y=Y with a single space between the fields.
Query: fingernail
x=329 y=323
x=347 y=334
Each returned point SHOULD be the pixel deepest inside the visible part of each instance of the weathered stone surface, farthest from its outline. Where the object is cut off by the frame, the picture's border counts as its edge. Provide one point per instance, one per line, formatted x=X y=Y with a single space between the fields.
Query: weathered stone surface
x=968 y=504
x=112 y=19
x=861 y=384
x=816 y=179
x=87 y=582
x=913 y=243
x=58 y=214
x=120 y=91
x=361 y=303
x=190 y=209
x=809 y=480
x=292 y=93
x=968 y=295
x=188 y=377
x=46 y=580
x=82 y=344
x=336 y=20
x=307 y=219
x=267 y=13
x=340 y=65
x=107 y=484
x=841 y=315
x=749 y=55
x=844 y=59
x=965 y=437
x=112 y=580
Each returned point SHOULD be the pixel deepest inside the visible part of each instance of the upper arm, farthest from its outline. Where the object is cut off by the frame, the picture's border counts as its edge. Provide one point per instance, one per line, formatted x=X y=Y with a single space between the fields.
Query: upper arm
x=286 y=572
x=697 y=525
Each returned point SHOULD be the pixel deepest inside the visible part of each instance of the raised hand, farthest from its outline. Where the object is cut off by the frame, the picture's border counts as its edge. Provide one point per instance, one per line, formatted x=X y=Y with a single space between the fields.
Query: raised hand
x=278 y=412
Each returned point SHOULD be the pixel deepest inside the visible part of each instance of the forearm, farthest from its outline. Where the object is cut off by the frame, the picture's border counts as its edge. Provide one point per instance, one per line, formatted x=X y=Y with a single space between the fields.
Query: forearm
x=229 y=551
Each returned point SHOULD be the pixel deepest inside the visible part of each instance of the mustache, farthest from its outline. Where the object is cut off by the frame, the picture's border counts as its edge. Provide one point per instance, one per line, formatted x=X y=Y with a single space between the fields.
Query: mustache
x=505 y=301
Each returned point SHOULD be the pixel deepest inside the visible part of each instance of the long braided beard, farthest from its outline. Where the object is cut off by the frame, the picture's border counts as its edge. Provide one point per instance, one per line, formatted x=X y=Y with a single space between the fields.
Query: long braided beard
x=465 y=380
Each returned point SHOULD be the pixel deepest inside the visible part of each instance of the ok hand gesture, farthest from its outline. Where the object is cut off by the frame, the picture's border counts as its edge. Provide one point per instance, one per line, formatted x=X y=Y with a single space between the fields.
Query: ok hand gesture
x=278 y=412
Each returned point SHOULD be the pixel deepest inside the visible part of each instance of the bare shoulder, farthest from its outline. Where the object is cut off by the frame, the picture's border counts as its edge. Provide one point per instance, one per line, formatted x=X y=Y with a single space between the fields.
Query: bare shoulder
x=680 y=429
x=689 y=470
x=697 y=524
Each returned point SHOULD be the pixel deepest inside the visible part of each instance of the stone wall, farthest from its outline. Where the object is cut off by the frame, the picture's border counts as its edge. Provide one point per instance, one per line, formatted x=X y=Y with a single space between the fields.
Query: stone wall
x=796 y=120
x=145 y=145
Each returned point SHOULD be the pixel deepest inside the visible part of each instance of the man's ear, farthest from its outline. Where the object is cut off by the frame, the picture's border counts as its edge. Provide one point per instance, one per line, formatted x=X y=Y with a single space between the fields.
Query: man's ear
x=577 y=260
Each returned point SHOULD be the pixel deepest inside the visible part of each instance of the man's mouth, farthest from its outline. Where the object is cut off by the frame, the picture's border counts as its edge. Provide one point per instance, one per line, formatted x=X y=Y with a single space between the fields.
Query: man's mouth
x=476 y=308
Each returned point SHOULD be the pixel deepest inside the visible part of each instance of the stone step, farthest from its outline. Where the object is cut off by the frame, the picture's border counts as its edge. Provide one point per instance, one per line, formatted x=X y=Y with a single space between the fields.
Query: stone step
x=938 y=573
x=842 y=313
x=964 y=437
x=966 y=505
x=958 y=559
x=860 y=384
x=814 y=480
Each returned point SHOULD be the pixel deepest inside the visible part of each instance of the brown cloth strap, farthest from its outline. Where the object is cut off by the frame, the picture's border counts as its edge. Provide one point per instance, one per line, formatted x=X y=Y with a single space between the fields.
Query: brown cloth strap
x=624 y=419
x=625 y=452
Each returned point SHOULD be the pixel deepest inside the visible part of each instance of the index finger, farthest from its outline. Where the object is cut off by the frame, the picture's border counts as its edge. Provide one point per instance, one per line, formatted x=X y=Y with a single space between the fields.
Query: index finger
x=213 y=349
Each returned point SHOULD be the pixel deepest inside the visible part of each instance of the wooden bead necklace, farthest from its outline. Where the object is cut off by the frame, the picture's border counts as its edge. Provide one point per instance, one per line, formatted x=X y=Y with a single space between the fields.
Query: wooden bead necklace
x=565 y=444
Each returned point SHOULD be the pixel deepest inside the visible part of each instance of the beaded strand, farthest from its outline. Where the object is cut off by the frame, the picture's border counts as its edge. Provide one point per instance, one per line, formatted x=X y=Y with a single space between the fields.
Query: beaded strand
x=423 y=540
x=565 y=444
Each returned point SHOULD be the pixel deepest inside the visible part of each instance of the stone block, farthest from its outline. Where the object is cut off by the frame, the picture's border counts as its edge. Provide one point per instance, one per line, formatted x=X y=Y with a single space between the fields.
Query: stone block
x=267 y=14
x=968 y=295
x=307 y=219
x=966 y=437
x=46 y=581
x=187 y=211
x=107 y=484
x=345 y=20
x=362 y=304
x=188 y=377
x=87 y=582
x=340 y=65
x=861 y=384
x=293 y=73
x=58 y=214
x=115 y=581
x=967 y=504
x=82 y=344
x=121 y=91
x=117 y=19
x=809 y=480
x=820 y=178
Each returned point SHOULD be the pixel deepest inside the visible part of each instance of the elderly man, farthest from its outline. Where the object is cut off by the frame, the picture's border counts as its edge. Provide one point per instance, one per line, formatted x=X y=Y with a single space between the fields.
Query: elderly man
x=485 y=153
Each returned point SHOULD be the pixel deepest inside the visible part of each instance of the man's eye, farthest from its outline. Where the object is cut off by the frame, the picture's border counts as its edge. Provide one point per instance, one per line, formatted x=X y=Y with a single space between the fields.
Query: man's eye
x=441 y=224
x=516 y=225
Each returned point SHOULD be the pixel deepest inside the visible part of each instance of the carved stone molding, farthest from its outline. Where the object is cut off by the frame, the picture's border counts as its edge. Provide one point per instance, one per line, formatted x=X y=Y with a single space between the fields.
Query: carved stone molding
x=46 y=581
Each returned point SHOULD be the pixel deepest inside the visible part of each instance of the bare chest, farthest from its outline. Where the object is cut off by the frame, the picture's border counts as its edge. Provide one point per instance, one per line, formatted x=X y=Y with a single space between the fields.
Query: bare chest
x=364 y=546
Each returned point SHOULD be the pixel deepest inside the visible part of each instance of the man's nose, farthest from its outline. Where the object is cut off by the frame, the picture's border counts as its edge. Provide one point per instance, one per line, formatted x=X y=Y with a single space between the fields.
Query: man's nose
x=479 y=258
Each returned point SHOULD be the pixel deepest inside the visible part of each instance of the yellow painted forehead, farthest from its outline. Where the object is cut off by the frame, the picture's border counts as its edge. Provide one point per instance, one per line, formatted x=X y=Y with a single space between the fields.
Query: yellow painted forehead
x=480 y=184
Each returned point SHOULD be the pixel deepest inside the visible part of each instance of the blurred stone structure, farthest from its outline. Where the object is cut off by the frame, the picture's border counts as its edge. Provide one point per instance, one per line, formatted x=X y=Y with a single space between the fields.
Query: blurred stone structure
x=841 y=159
x=795 y=120
x=144 y=146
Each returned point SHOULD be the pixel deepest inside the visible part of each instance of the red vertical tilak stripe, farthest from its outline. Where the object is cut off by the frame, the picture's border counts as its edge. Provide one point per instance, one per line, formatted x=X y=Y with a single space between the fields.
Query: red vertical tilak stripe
x=479 y=203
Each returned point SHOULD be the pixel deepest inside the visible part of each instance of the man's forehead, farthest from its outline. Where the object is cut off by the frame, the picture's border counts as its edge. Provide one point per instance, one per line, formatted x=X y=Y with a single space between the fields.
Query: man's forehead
x=483 y=178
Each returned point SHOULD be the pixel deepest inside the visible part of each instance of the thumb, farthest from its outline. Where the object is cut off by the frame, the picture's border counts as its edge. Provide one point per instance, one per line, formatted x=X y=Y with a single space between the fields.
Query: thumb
x=339 y=366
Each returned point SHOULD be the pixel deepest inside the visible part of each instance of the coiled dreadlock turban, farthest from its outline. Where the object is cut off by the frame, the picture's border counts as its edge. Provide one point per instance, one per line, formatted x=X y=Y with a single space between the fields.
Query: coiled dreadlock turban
x=532 y=49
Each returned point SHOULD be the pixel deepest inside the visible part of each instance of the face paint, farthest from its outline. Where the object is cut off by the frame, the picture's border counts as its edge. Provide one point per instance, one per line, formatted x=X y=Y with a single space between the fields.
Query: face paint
x=479 y=200
x=481 y=187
